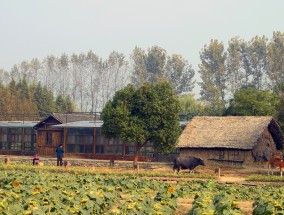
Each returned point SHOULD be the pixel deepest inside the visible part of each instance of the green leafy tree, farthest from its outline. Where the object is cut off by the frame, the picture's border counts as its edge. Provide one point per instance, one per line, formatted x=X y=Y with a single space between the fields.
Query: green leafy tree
x=155 y=66
x=180 y=74
x=192 y=107
x=143 y=115
x=26 y=98
x=139 y=74
x=244 y=49
x=48 y=101
x=280 y=105
x=276 y=61
x=38 y=95
x=234 y=64
x=60 y=104
x=23 y=89
x=70 y=106
x=252 y=102
x=213 y=75
x=258 y=61
x=276 y=72
x=12 y=101
x=64 y=104
x=44 y=99
x=3 y=97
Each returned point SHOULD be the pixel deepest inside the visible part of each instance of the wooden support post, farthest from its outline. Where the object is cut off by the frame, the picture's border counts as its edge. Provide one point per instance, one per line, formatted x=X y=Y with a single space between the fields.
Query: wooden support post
x=218 y=171
x=66 y=164
x=111 y=162
x=7 y=160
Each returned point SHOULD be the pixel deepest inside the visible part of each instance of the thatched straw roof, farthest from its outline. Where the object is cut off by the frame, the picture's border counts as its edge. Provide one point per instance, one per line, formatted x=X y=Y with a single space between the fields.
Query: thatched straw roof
x=237 y=132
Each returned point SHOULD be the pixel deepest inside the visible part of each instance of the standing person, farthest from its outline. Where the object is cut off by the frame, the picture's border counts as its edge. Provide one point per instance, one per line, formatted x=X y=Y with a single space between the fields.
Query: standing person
x=59 y=154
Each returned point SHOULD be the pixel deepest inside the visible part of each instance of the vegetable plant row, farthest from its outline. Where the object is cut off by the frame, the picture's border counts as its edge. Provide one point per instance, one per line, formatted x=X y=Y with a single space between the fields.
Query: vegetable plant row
x=38 y=191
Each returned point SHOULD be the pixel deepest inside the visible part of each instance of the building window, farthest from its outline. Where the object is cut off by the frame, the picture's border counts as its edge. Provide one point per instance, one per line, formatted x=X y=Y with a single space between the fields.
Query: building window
x=80 y=131
x=129 y=150
x=17 y=139
x=29 y=139
x=100 y=139
x=80 y=140
x=74 y=148
x=100 y=149
x=4 y=146
x=111 y=141
x=15 y=130
x=29 y=147
x=13 y=138
x=4 y=137
x=48 y=140
x=109 y=150
x=147 y=151
x=15 y=146
x=118 y=150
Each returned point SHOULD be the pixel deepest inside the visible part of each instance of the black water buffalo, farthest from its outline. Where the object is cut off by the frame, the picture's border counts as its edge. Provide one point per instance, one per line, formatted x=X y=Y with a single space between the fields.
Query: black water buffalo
x=187 y=162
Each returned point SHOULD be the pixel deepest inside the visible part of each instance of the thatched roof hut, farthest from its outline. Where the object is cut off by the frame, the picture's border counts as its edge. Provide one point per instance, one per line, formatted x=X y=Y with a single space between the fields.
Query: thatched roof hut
x=233 y=133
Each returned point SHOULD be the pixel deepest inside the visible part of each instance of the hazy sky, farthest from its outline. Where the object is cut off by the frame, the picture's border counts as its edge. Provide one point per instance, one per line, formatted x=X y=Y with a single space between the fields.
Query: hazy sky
x=38 y=28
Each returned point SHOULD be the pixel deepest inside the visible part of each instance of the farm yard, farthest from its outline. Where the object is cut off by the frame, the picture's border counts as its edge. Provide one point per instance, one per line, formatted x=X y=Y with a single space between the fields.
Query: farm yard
x=142 y=108
x=154 y=189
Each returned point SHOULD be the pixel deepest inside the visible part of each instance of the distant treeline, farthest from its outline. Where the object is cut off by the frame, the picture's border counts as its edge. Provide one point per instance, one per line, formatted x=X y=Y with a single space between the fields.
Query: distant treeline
x=90 y=81
x=19 y=100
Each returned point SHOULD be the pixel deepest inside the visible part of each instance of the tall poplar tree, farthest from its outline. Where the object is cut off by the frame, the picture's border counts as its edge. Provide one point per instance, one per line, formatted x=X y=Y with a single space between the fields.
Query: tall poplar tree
x=276 y=71
x=180 y=74
x=139 y=74
x=258 y=61
x=235 y=74
x=213 y=75
x=156 y=65
x=94 y=70
x=276 y=61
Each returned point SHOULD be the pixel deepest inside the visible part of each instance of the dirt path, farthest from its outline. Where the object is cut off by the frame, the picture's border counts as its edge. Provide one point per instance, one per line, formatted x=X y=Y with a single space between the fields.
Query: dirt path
x=185 y=205
x=231 y=179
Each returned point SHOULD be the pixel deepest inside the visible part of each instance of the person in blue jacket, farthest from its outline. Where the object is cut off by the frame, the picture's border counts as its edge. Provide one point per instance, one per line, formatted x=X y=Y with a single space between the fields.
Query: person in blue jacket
x=59 y=154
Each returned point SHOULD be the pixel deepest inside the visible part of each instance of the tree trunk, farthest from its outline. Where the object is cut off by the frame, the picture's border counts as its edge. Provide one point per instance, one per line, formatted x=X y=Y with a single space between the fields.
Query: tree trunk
x=136 y=156
x=135 y=162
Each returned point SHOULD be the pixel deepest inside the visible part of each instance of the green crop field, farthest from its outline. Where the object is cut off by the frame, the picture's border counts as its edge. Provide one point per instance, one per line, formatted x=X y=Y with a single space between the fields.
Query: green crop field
x=53 y=190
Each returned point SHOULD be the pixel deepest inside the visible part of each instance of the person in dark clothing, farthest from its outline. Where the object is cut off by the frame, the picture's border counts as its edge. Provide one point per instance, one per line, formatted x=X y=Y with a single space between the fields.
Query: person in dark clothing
x=35 y=159
x=59 y=154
